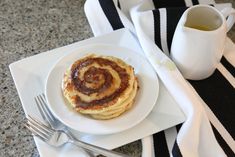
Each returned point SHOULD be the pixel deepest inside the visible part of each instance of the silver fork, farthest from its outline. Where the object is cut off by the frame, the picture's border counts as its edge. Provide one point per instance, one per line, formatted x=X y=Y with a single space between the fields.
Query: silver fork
x=51 y=121
x=58 y=138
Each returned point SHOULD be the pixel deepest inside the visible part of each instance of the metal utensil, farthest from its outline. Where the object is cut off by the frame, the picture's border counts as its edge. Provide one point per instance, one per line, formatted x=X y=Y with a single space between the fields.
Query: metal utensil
x=50 y=119
x=46 y=114
x=58 y=138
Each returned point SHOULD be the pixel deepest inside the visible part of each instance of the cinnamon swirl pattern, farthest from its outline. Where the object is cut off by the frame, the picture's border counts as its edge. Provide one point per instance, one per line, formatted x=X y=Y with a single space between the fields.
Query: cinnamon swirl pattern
x=103 y=87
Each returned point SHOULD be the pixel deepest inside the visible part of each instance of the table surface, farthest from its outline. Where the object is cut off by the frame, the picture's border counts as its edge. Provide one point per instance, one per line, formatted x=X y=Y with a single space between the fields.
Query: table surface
x=29 y=27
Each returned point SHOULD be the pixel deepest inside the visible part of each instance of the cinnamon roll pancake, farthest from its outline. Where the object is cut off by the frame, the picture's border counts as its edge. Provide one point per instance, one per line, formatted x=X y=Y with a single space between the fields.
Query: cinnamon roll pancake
x=103 y=87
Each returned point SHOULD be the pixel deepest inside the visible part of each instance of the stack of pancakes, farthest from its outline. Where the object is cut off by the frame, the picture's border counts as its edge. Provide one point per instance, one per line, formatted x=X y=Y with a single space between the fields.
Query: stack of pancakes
x=103 y=87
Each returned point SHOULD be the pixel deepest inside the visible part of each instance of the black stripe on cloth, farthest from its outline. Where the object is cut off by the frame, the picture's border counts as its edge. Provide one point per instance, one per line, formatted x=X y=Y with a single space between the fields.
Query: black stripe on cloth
x=228 y=151
x=228 y=66
x=219 y=95
x=195 y=2
x=111 y=13
x=118 y=4
x=178 y=127
x=160 y=145
x=176 y=151
x=157 y=31
x=168 y=3
x=173 y=17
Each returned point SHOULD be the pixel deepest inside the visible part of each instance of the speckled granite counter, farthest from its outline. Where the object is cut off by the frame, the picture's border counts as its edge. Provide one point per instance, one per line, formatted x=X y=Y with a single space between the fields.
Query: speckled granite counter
x=29 y=27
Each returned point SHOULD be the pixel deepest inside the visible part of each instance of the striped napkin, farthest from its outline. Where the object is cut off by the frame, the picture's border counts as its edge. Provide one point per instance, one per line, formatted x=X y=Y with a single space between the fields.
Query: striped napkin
x=209 y=104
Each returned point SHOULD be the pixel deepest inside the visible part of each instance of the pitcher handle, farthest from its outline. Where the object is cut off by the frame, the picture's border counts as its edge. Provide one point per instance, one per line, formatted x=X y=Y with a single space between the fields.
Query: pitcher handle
x=229 y=14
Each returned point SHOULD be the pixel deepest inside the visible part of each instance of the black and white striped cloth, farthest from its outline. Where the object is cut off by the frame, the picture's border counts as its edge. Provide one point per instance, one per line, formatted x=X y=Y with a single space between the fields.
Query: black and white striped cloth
x=208 y=104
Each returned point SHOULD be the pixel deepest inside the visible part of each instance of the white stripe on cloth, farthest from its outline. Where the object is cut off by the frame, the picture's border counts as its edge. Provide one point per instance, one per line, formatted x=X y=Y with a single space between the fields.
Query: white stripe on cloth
x=147 y=147
x=188 y=3
x=171 y=135
x=163 y=30
x=219 y=127
x=206 y=1
x=226 y=74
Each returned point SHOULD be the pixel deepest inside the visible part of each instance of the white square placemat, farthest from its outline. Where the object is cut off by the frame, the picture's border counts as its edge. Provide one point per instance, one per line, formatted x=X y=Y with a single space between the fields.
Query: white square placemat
x=30 y=75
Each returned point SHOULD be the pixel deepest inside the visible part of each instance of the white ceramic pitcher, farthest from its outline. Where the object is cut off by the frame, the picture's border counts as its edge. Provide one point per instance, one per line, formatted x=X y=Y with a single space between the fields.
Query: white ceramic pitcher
x=199 y=40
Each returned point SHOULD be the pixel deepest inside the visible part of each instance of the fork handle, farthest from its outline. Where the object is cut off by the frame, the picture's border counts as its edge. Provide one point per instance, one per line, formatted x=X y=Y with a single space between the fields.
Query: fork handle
x=99 y=150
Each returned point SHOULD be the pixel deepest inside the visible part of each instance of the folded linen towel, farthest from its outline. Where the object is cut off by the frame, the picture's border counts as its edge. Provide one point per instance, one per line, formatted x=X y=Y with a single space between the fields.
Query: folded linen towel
x=209 y=104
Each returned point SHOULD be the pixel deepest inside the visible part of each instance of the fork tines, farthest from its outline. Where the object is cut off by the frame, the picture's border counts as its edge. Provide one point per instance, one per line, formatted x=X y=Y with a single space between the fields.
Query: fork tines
x=39 y=129
x=43 y=109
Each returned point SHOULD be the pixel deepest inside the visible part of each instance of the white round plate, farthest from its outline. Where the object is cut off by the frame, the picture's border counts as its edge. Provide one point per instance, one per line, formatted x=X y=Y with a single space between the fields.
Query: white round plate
x=144 y=102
